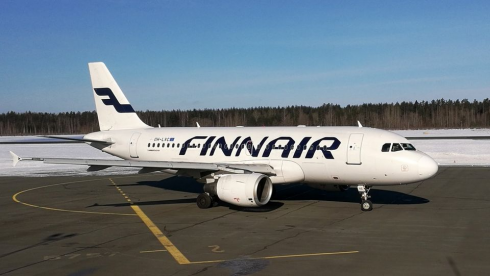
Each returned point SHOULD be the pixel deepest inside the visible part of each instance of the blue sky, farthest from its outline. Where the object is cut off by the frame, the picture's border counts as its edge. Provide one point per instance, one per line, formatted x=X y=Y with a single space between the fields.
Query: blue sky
x=222 y=54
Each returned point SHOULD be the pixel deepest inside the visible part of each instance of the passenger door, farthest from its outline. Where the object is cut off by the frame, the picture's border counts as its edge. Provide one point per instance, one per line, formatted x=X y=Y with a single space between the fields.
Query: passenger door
x=354 y=149
x=133 y=152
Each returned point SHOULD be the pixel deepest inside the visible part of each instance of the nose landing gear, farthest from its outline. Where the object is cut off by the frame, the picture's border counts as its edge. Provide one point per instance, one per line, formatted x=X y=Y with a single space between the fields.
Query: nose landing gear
x=366 y=204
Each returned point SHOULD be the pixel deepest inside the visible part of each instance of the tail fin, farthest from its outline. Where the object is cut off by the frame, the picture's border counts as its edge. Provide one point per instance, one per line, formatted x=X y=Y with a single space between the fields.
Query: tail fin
x=113 y=109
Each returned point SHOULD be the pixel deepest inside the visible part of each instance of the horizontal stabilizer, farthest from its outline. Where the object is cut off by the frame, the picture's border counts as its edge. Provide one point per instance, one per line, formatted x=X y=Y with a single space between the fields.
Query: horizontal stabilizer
x=81 y=140
x=41 y=140
x=52 y=139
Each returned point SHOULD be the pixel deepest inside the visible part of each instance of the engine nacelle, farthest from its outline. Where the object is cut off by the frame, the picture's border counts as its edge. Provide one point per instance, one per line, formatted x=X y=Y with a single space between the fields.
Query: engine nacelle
x=246 y=190
x=329 y=187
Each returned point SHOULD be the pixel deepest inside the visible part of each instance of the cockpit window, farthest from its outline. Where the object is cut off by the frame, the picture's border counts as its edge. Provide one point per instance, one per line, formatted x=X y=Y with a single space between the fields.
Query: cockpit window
x=386 y=147
x=396 y=147
x=407 y=146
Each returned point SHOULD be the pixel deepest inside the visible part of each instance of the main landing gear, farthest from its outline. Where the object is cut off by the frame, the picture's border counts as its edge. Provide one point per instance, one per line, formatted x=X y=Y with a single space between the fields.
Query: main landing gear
x=366 y=204
x=205 y=201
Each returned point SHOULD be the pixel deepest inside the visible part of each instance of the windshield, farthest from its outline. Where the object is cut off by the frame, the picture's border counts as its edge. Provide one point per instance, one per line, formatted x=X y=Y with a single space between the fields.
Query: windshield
x=396 y=147
x=386 y=147
x=407 y=146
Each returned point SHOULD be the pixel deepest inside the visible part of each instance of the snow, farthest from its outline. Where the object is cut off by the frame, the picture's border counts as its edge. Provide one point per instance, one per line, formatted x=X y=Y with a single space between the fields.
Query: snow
x=455 y=152
x=40 y=169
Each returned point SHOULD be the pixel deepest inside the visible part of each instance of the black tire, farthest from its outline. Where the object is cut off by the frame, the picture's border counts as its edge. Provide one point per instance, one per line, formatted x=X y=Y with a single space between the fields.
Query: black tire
x=204 y=201
x=366 y=205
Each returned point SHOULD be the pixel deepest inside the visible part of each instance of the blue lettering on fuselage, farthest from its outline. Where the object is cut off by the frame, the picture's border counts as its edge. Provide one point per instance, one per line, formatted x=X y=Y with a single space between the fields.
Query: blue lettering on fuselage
x=248 y=144
x=274 y=144
x=221 y=143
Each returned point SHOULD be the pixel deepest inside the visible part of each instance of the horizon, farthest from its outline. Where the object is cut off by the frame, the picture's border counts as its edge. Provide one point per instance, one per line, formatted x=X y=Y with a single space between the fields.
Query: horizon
x=262 y=107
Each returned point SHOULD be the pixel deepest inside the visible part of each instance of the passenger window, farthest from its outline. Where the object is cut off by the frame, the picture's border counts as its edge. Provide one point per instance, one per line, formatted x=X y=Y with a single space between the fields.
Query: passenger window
x=168 y=145
x=396 y=147
x=149 y=144
x=407 y=146
x=173 y=145
x=386 y=147
x=163 y=145
x=178 y=145
x=158 y=145
x=153 y=144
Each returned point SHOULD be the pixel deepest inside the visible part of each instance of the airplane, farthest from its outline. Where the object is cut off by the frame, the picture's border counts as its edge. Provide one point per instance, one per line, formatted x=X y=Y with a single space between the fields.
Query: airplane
x=240 y=165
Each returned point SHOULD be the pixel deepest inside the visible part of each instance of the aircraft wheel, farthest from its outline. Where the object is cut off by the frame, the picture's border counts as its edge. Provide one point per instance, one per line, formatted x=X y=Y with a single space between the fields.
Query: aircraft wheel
x=366 y=205
x=204 y=201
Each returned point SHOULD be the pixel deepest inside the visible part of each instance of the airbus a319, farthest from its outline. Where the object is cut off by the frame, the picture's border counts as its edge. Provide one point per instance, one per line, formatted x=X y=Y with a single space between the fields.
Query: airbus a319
x=240 y=165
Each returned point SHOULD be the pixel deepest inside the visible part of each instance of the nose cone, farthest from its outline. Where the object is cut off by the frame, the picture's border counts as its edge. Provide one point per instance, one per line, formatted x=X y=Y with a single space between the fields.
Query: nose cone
x=427 y=167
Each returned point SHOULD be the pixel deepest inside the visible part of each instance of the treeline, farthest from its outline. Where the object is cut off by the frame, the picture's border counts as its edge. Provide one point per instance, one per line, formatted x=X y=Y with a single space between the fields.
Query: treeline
x=405 y=115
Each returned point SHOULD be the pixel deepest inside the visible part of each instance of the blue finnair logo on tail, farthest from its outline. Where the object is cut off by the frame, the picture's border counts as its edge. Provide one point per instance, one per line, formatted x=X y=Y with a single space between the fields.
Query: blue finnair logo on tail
x=120 y=108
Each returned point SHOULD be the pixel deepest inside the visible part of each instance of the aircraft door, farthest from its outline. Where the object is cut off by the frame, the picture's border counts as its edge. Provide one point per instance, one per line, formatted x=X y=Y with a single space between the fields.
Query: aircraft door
x=133 y=152
x=354 y=149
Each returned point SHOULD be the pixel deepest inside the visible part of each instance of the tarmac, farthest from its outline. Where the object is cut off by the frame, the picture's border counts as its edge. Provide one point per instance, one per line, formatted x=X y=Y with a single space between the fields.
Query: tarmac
x=150 y=225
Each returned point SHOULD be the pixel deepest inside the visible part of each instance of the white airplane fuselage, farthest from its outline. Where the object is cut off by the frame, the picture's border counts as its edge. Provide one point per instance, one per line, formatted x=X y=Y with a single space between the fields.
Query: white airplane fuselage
x=239 y=165
x=313 y=155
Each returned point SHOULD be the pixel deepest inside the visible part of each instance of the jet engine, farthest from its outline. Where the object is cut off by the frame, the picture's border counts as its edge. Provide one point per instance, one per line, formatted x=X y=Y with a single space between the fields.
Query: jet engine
x=246 y=190
x=329 y=187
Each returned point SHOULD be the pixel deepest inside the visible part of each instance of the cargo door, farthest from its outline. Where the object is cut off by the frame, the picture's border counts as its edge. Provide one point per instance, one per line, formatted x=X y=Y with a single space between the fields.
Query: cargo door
x=354 y=149
x=133 y=151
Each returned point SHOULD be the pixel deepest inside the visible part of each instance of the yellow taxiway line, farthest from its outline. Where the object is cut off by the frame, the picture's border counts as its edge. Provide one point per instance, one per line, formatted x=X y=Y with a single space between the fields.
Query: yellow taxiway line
x=15 y=198
x=281 y=256
x=167 y=244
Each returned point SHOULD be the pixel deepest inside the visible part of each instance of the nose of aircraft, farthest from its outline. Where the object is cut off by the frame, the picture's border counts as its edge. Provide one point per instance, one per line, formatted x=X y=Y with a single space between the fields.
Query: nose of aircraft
x=427 y=167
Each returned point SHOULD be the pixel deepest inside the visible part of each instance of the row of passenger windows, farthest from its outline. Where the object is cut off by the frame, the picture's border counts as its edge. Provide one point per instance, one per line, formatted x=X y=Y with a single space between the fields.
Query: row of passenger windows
x=150 y=145
x=397 y=147
x=173 y=145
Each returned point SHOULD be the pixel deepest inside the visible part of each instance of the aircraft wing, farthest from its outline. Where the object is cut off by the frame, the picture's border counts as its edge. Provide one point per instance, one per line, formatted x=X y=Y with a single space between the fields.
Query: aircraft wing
x=97 y=164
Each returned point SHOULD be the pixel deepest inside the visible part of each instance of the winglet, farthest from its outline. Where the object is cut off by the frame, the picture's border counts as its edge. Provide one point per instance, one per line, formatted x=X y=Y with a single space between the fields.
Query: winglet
x=15 y=158
x=359 y=124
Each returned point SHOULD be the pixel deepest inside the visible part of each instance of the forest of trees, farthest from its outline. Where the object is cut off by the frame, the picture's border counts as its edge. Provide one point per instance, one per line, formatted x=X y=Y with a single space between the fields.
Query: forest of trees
x=405 y=115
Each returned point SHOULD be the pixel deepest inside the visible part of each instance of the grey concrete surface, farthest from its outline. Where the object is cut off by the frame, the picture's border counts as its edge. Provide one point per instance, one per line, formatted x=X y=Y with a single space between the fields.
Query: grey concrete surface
x=85 y=226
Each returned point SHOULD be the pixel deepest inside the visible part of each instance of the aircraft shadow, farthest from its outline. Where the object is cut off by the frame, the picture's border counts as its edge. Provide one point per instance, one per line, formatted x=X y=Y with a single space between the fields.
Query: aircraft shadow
x=289 y=192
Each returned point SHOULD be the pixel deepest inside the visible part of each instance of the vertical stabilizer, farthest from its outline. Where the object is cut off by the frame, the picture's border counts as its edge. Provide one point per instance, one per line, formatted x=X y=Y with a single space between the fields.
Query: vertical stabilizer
x=113 y=109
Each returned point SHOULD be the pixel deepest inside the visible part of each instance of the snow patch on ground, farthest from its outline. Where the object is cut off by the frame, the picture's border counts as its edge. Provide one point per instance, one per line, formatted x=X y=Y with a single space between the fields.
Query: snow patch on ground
x=53 y=150
x=474 y=152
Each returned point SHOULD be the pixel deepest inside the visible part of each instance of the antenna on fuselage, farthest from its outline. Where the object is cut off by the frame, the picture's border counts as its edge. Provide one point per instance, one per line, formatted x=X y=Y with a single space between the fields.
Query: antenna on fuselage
x=359 y=124
x=198 y=124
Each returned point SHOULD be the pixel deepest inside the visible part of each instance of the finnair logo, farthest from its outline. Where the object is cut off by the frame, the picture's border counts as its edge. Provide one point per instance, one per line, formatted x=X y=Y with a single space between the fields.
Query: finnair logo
x=120 y=108
x=287 y=146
